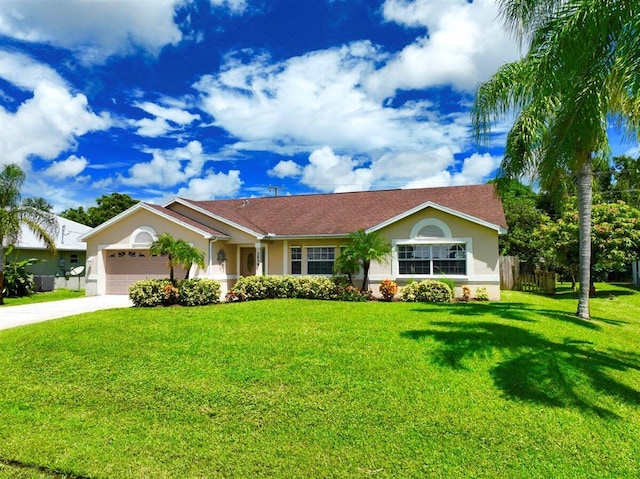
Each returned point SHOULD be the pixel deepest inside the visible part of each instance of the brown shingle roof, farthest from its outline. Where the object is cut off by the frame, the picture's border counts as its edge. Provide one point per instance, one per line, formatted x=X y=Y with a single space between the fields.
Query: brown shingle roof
x=341 y=213
x=184 y=219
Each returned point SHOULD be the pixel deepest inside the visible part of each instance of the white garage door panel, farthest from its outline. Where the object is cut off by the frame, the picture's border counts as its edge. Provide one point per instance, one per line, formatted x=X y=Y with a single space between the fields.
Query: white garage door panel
x=124 y=268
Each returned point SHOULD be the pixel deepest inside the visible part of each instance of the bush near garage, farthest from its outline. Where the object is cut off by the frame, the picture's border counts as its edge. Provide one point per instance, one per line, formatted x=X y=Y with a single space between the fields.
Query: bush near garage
x=151 y=293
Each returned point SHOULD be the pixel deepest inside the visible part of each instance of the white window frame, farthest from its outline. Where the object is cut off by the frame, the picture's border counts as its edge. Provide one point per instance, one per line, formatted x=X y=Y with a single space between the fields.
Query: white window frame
x=308 y=260
x=292 y=259
x=415 y=240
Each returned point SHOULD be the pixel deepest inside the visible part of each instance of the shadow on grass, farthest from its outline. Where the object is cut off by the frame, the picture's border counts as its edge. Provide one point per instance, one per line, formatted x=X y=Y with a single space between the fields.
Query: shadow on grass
x=512 y=311
x=566 y=374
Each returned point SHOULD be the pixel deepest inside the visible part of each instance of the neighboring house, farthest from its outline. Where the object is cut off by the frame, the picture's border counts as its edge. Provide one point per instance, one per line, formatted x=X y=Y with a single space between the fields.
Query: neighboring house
x=435 y=232
x=59 y=269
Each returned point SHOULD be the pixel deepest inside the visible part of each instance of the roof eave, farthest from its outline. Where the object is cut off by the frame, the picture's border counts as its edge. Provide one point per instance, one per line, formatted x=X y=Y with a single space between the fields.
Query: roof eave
x=148 y=208
x=222 y=219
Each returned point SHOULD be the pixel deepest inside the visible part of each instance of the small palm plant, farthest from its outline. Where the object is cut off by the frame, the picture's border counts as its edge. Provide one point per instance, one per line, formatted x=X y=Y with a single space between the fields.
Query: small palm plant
x=178 y=252
x=363 y=248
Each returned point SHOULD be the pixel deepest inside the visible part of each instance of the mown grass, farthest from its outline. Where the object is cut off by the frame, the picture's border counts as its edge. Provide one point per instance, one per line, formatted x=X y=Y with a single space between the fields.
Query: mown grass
x=294 y=388
x=55 y=295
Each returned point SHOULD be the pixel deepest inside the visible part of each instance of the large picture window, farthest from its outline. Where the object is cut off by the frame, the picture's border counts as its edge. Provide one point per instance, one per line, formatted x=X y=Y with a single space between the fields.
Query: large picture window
x=320 y=260
x=435 y=259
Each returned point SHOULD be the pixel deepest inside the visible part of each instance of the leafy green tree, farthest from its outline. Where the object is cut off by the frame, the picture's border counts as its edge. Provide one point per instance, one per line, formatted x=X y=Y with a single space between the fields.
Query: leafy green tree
x=615 y=236
x=524 y=219
x=178 y=252
x=107 y=207
x=579 y=77
x=362 y=249
x=14 y=214
x=622 y=181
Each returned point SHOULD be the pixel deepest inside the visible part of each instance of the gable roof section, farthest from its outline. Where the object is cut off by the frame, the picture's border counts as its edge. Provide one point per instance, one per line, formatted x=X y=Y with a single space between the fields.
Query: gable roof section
x=168 y=214
x=340 y=213
x=67 y=239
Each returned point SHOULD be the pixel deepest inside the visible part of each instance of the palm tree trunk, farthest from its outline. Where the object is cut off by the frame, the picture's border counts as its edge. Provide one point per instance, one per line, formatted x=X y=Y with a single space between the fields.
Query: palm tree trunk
x=365 y=272
x=585 y=187
x=1 y=272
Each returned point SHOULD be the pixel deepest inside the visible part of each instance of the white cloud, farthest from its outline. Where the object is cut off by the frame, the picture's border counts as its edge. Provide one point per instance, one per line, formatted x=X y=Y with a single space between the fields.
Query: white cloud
x=307 y=102
x=185 y=165
x=285 y=169
x=213 y=185
x=327 y=171
x=96 y=29
x=168 y=167
x=71 y=167
x=49 y=122
x=476 y=169
x=465 y=44
x=235 y=6
x=165 y=121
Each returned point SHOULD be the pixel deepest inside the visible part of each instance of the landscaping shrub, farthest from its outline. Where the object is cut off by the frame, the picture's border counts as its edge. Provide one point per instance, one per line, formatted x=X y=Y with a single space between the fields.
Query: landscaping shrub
x=198 y=292
x=449 y=282
x=427 y=291
x=316 y=287
x=352 y=293
x=482 y=294
x=466 y=293
x=149 y=293
x=253 y=288
x=18 y=282
x=388 y=289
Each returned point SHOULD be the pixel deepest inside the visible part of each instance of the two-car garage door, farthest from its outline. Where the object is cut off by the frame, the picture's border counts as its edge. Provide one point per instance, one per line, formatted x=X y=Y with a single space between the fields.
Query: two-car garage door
x=124 y=268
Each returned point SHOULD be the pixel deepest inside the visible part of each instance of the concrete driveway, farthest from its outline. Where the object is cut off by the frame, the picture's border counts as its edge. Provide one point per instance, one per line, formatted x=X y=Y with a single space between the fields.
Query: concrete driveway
x=12 y=316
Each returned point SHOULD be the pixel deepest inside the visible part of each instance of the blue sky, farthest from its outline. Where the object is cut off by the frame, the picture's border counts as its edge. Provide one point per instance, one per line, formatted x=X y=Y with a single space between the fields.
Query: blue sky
x=221 y=98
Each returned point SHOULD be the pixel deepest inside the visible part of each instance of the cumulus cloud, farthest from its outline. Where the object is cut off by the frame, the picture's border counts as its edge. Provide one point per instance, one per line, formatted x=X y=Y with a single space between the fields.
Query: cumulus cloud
x=285 y=169
x=69 y=168
x=464 y=45
x=307 y=102
x=49 y=122
x=95 y=29
x=183 y=166
x=327 y=171
x=476 y=169
x=213 y=185
x=168 y=167
x=166 y=119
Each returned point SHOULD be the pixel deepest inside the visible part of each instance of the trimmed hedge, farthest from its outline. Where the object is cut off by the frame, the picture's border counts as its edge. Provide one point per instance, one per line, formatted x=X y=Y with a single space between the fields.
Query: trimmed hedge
x=252 y=288
x=150 y=293
x=427 y=291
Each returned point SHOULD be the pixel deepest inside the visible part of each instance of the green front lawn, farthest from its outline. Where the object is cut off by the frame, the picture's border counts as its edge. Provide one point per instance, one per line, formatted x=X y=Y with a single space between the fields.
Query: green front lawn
x=55 y=295
x=295 y=388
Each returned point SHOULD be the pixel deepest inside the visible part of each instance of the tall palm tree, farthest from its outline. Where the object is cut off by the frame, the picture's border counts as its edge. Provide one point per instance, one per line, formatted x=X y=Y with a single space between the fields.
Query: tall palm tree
x=363 y=249
x=579 y=77
x=178 y=252
x=14 y=214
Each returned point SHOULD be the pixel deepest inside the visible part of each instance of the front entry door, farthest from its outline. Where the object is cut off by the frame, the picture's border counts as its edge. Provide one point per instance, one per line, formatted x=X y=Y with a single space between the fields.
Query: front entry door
x=249 y=262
